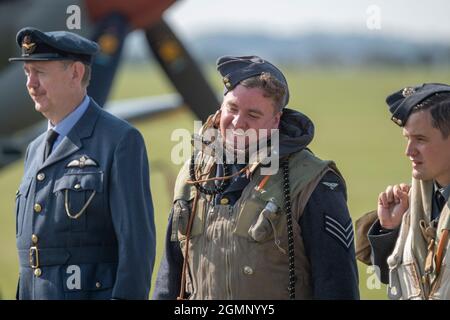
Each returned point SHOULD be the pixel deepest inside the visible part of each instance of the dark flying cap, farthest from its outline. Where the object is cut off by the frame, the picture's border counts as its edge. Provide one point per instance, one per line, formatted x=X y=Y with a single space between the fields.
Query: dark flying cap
x=236 y=69
x=55 y=45
x=402 y=102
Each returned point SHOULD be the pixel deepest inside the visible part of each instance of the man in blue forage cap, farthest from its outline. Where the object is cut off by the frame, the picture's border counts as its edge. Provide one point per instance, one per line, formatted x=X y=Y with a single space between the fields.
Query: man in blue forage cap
x=237 y=229
x=85 y=227
x=409 y=239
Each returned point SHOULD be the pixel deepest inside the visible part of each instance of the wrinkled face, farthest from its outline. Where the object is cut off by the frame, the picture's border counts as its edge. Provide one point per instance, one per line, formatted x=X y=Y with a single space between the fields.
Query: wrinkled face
x=428 y=151
x=49 y=84
x=244 y=109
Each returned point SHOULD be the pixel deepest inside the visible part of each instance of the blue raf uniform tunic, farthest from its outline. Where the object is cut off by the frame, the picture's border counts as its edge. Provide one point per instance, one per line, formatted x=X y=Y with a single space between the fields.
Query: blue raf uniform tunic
x=85 y=226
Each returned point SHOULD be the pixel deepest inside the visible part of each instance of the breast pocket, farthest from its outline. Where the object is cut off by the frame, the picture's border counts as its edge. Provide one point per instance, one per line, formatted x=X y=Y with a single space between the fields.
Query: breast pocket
x=21 y=201
x=79 y=196
x=265 y=225
x=410 y=285
x=180 y=222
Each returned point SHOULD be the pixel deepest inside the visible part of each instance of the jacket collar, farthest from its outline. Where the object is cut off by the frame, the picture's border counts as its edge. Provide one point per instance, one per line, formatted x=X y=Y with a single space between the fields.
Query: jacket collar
x=73 y=141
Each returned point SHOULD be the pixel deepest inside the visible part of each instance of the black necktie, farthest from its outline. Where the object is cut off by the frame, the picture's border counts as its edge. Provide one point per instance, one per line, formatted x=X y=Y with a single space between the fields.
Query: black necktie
x=440 y=200
x=49 y=140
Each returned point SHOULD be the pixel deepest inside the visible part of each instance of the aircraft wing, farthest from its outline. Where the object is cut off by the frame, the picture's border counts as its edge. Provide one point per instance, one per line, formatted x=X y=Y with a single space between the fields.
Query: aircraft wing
x=13 y=147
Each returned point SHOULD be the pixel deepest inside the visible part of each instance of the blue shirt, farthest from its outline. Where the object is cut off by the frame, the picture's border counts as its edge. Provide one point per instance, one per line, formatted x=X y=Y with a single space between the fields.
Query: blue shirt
x=63 y=127
x=445 y=191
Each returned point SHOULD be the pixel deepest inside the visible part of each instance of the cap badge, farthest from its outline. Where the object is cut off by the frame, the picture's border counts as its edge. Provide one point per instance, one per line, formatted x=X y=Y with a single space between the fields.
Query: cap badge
x=28 y=46
x=408 y=91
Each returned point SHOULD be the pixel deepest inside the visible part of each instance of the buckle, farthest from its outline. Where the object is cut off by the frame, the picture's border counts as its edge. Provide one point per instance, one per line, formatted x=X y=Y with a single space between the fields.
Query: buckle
x=34 y=257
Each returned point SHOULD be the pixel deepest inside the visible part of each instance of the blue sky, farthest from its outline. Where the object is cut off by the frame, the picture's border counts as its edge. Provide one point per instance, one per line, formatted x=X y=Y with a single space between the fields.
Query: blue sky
x=418 y=20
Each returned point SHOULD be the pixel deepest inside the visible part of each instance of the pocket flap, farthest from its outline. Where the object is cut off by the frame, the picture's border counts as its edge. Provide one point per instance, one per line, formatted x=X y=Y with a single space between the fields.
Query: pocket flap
x=181 y=216
x=80 y=182
x=104 y=277
x=267 y=226
x=89 y=277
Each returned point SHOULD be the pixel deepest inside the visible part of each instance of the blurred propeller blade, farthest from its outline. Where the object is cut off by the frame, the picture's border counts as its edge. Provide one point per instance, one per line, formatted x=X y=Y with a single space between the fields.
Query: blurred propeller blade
x=110 y=34
x=182 y=70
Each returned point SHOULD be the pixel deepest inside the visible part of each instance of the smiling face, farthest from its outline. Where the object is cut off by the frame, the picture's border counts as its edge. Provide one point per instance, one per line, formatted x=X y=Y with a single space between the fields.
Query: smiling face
x=244 y=109
x=427 y=149
x=54 y=86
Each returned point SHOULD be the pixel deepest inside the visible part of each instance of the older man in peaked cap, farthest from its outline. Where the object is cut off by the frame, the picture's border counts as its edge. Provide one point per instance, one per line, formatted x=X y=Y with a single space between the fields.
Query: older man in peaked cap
x=237 y=231
x=84 y=210
x=409 y=239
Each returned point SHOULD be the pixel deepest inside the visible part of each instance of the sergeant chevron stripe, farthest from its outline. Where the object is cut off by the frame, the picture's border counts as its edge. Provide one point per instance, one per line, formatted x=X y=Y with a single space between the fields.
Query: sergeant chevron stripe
x=344 y=234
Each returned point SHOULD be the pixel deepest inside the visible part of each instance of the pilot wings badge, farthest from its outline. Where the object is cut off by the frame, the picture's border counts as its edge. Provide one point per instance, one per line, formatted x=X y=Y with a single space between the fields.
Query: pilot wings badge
x=84 y=161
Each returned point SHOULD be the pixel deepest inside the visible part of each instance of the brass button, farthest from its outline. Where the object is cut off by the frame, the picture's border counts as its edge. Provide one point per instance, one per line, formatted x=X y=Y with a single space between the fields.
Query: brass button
x=17 y=192
x=77 y=186
x=37 y=207
x=228 y=85
x=41 y=176
x=397 y=121
x=98 y=285
x=224 y=201
x=248 y=270
x=34 y=238
x=37 y=272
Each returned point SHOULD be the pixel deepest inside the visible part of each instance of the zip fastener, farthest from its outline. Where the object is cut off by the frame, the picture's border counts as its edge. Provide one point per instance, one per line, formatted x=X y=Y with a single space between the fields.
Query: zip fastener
x=228 y=255
x=209 y=209
x=423 y=294
x=227 y=277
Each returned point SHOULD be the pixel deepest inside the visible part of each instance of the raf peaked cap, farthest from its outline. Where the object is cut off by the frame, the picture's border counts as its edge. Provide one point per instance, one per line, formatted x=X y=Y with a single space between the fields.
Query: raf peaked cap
x=56 y=45
x=237 y=69
x=402 y=102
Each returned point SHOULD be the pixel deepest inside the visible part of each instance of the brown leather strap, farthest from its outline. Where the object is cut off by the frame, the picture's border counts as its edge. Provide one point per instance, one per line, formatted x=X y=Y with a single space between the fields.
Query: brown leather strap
x=440 y=250
x=262 y=183
x=429 y=234
x=186 y=250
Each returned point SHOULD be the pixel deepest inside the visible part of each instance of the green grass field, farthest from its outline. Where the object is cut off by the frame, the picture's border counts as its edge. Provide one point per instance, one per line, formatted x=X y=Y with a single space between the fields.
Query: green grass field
x=352 y=128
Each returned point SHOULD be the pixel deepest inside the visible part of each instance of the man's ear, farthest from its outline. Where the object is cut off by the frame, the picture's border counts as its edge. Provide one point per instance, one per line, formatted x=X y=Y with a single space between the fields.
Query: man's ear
x=216 y=118
x=78 y=71
x=277 y=118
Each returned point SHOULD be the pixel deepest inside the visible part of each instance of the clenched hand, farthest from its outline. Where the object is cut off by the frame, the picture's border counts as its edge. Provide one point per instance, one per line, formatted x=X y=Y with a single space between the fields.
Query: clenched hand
x=392 y=204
